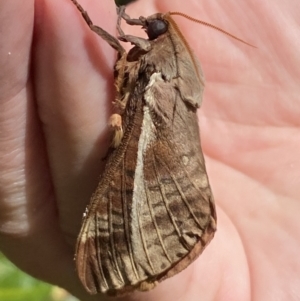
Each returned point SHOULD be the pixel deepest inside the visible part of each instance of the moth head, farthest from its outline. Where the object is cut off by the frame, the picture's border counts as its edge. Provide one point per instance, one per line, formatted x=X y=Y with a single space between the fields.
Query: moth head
x=155 y=25
x=158 y=24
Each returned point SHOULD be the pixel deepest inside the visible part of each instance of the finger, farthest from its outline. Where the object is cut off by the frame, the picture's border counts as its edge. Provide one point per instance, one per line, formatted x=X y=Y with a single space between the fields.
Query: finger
x=16 y=104
x=28 y=220
x=74 y=81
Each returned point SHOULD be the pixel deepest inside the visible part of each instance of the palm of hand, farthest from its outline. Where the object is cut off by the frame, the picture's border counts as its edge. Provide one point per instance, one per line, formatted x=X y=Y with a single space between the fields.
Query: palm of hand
x=248 y=129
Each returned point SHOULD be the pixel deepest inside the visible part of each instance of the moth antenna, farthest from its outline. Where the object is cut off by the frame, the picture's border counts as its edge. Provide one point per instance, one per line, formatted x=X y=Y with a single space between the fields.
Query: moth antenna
x=211 y=26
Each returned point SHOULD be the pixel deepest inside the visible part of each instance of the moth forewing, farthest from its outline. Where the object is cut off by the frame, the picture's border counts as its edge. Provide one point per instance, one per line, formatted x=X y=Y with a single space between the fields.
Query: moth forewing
x=153 y=212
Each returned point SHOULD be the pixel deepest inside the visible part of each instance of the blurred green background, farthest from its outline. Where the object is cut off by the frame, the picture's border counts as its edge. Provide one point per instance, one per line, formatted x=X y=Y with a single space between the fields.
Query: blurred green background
x=16 y=285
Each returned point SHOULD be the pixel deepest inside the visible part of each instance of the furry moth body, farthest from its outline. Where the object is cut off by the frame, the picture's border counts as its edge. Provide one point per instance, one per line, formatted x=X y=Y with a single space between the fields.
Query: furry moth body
x=153 y=212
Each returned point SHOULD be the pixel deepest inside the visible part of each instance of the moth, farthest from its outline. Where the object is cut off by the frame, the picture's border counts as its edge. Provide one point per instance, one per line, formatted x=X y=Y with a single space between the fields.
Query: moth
x=153 y=211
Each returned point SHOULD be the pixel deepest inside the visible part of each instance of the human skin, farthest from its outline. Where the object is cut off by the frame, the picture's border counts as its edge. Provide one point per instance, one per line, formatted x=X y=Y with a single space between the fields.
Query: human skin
x=56 y=92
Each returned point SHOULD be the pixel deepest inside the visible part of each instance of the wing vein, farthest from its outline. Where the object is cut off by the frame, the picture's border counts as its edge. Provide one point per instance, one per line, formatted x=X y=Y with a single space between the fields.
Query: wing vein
x=161 y=187
x=112 y=244
x=182 y=194
x=98 y=251
x=154 y=220
x=126 y=226
x=144 y=243
x=187 y=175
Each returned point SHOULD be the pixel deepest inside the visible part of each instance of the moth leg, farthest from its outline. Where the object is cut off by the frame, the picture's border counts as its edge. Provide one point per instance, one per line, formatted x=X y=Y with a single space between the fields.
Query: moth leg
x=129 y=21
x=143 y=44
x=115 y=123
x=139 y=42
x=112 y=41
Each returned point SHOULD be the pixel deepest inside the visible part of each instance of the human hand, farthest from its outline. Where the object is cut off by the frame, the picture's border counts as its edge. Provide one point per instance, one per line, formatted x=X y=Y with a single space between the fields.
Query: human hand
x=56 y=96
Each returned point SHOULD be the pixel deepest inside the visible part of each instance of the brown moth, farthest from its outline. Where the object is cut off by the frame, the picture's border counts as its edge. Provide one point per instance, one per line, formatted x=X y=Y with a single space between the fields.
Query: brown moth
x=153 y=211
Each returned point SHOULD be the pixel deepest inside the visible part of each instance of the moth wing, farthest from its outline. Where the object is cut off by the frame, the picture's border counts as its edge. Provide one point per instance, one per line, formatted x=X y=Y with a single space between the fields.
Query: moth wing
x=104 y=255
x=176 y=203
x=134 y=245
x=153 y=212
x=181 y=207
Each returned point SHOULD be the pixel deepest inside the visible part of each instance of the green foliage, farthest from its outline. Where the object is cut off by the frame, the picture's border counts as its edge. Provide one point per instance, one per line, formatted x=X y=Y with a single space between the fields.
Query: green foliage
x=15 y=285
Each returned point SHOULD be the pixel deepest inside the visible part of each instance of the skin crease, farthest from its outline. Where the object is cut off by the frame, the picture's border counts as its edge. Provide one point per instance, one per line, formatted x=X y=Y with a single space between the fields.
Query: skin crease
x=55 y=100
